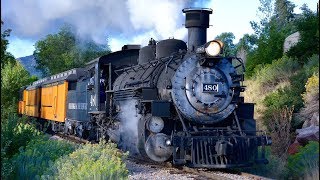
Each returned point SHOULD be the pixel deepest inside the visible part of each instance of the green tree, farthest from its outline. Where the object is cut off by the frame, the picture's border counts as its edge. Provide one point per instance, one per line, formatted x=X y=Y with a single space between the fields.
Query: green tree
x=271 y=34
x=64 y=50
x=264 y=13
x=227 y=39
x=308 y=26
x=13 y=77
x=5 y=55
x=283 y=12
x=247 y=42
x=269 y=48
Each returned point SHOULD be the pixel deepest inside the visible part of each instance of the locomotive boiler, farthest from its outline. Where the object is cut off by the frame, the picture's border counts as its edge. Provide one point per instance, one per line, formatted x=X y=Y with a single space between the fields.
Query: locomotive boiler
x=167 y=101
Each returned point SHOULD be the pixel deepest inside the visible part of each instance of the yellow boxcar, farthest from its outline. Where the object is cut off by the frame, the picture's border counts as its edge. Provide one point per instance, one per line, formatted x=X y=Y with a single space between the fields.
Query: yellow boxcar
x=53 y=101
x=32 y=103
x=22 y=102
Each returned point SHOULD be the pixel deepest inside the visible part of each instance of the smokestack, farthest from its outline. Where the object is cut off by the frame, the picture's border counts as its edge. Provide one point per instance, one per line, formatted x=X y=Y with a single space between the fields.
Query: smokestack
x=197 y=22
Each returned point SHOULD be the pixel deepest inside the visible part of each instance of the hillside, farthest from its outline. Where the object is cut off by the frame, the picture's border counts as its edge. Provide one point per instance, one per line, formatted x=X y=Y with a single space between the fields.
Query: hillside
x=30 y=64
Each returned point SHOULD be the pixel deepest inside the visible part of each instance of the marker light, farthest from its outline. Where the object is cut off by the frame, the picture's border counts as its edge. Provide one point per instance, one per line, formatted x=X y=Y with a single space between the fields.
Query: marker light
x=213 y=48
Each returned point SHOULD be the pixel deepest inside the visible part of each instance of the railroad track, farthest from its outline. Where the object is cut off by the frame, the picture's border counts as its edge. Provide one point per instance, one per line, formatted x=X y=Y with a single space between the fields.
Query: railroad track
x=201 y=173
x=71 y=138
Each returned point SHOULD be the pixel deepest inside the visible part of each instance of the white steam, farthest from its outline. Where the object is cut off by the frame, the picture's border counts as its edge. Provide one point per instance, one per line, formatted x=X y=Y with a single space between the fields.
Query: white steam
x=129 y=119
x=127 y=21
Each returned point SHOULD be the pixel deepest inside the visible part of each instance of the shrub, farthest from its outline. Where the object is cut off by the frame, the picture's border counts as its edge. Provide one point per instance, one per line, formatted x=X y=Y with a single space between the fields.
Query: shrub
x=22 y=134
x=313 y=83
x=278 y=71
x=311 y=98
x=283 y=97
x=276 y=168
x=38 y=156
x=305 y=163
x=6 y=166
x=279 y=129
x=312 y=65
x=15 y=133
x=92 y=161
x=286 y=97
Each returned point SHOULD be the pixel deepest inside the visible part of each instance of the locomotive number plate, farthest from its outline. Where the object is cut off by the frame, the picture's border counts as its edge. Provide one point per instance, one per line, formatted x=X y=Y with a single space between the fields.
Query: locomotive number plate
x=210 y=88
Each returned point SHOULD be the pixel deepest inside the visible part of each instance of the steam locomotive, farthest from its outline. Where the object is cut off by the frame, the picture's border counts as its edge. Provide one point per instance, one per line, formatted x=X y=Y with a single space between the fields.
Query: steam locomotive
x=167 y=100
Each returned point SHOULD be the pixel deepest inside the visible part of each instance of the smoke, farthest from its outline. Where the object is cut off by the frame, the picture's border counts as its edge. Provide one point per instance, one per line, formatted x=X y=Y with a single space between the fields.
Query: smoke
x=129 y=119
x=131 y=21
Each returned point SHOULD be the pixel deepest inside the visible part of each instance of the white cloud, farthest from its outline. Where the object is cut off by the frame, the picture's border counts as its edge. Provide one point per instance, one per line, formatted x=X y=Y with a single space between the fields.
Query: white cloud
x=116 y=44
x=20 y=47
x=162 y=16
x=125 y=21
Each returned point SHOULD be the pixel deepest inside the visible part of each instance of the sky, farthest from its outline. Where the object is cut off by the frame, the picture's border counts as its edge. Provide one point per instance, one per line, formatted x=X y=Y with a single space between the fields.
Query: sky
x=121 y=22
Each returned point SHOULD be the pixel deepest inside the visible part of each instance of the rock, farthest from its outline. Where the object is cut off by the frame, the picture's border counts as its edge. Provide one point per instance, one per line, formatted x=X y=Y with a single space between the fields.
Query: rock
x=294 y=147
x=291 y=41
x=307 y=134
x=314 y=121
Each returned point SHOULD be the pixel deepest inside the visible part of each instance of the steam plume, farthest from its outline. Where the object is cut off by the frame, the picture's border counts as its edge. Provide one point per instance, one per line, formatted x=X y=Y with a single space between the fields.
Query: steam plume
x=131 y=21
x=129 y=119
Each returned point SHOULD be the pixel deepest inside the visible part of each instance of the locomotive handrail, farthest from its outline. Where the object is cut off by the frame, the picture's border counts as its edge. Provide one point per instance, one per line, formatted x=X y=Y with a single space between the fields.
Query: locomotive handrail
x=241 y=63
x=181 y=119
x=54 y=107
x=167 y=63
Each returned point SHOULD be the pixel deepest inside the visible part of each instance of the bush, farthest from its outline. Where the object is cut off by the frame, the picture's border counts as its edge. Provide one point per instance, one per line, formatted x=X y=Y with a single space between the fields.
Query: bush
x=92 y=161
x=15 y=133
x=6 y=166
x=279 y=129
x=270 y=75
x=276 y=168
x=312 y=65
x=305 y=163
x=289 y=95
x=38 y=156
x=283 y=97
x=311 y=98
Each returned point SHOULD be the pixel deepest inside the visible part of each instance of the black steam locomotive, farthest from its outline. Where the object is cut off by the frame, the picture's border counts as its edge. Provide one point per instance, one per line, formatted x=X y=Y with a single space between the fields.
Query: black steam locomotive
x=168 y=100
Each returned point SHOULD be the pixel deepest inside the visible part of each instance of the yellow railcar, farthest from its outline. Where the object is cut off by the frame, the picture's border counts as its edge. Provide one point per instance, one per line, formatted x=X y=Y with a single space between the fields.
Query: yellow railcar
x=53 y=101
x=32 y=103
x=22 y=101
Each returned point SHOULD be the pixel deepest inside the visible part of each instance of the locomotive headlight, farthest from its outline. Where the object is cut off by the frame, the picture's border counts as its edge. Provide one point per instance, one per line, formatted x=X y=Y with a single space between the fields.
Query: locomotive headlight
x=214 y=48
x=168 y=142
